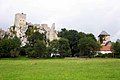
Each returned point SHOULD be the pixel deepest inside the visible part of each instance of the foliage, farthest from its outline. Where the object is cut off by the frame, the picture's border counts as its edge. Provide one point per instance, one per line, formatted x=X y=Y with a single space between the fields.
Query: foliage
x=73 y=38
x=14 y=53
x=54 y=46
x=30 y=30
x=34 y=37
x=37 y=50
x=116 y=49
x=9 y=46
x=12 y=30
x=40 y=48
x=71 y=43
x=60 y=46
x=92 y=36
x=88 y=46
x=81 y=35
x=64 y=47
x=36 y=47
x=100 y=55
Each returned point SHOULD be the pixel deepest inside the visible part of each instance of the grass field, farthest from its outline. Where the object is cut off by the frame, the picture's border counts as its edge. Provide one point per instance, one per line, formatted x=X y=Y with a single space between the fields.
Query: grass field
x=60 y=69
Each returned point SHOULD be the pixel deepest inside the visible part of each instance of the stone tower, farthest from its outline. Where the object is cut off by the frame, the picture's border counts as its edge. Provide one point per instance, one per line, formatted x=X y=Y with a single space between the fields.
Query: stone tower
x=104 y=38
x=21 y=27
x=20 y=20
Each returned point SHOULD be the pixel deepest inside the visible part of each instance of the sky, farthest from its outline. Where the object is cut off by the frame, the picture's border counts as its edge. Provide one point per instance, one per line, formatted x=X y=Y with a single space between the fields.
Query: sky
x=89 y=16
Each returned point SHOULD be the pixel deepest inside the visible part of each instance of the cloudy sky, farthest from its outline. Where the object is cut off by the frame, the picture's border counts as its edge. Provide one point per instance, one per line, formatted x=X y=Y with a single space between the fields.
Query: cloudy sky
x=90 y=16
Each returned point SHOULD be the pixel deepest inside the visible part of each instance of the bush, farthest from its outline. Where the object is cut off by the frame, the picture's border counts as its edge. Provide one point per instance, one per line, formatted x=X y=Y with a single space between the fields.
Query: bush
x=32 y=54
x=37 y=50
x=14 y=53
x=22 y=51
x=9 y=46
x=107 y=55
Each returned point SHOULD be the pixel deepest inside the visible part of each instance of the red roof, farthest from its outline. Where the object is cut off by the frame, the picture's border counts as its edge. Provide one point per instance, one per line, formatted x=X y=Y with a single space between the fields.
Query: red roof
x=106 y=48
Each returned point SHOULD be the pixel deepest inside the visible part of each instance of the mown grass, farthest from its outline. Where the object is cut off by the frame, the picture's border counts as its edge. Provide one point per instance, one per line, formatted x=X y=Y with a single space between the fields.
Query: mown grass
x=60 y=69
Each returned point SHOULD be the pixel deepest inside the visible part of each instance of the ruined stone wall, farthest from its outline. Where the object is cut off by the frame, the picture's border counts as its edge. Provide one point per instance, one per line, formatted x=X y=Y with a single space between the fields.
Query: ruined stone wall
x=2 y=33
x=21 y=26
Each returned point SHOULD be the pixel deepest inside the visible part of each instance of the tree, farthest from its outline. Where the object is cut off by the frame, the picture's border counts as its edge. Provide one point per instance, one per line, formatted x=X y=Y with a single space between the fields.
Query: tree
x=38 y=50
x=63 y=33
x=116 y=49
x=54 y=46
x=81 y=35
x=9 y=47
x=30 y=30
x=88 y=46
x=36 y=47
x=60 y=46
x=73 y=38
x=64 y=47
x=92 y=36
x=34 y=37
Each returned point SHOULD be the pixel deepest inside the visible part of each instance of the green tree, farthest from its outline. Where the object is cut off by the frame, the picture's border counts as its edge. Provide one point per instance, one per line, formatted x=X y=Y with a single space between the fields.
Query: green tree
x=60 y=46
x=36 y=47
x=81 y=35
x=92 y=36
x=88 y=46
x=38 y=50
x=30 y=30
x=63 y=33
x=116 y=49
x=54 y=46
x=34 y=37
x=8 y=47
x=64 y=47
x=73 y=38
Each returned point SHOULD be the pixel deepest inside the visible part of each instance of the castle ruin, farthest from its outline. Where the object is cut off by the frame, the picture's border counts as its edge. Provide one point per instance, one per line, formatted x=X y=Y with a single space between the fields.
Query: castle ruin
x=21 y=25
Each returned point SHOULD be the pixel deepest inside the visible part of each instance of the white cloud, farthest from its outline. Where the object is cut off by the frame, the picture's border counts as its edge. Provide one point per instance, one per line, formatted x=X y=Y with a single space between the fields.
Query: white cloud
x=83 y=15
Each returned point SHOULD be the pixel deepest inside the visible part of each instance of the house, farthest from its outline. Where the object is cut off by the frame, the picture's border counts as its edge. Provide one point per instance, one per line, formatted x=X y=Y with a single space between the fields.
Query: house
x=104 y=40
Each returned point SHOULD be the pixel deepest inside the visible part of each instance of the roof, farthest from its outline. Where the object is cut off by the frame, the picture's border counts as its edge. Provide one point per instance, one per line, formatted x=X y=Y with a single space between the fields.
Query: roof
x=118 y=40
x=104 y=33
x=105 y=48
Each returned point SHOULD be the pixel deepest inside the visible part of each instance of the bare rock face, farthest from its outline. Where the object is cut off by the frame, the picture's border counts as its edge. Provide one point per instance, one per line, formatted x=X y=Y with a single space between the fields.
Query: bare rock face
x=21 y=25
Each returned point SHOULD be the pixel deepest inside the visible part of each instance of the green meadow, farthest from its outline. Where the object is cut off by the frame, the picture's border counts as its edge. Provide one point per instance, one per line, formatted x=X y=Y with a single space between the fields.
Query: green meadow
x=60 y=69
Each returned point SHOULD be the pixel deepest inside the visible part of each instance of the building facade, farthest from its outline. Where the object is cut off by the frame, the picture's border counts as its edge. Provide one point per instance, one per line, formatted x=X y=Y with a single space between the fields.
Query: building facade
x=104 y=40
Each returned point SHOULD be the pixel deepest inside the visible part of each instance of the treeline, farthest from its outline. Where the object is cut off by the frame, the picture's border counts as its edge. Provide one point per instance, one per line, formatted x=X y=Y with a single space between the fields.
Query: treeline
x=71 y=44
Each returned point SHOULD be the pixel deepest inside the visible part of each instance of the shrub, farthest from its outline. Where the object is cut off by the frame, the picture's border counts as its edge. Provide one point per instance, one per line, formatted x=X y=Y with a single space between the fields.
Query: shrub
x=107 y=55
x=14 y=53
x=32 y=54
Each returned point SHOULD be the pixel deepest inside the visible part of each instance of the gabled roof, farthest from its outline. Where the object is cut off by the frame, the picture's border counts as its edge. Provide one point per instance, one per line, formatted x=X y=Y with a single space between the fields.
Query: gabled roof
x=103 y=33
x=105 y=48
